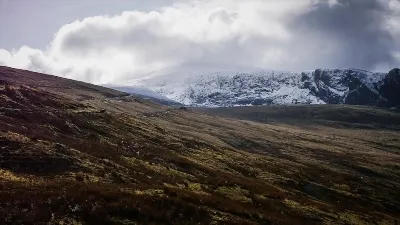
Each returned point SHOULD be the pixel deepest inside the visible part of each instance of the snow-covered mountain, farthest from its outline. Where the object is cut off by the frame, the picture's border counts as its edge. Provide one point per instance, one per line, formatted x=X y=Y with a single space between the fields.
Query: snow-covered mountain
x=262 y=87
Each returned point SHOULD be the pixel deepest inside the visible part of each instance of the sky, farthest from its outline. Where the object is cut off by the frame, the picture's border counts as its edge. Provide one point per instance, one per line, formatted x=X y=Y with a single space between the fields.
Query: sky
x=102 y=41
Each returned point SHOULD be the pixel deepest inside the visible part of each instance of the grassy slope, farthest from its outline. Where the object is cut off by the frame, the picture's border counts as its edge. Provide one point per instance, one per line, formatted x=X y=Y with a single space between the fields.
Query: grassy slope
x=80 y=154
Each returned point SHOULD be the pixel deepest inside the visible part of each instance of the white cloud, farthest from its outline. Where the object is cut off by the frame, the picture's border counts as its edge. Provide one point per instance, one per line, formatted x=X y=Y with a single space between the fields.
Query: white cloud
x=5 y=57
x=220 y=33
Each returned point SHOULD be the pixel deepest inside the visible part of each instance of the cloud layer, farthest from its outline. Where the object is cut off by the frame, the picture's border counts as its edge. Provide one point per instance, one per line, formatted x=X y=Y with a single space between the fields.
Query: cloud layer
x=272 y=34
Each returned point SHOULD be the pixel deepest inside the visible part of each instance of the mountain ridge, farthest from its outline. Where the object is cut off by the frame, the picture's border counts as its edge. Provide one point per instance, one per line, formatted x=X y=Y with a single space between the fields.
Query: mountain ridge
x=265 y=87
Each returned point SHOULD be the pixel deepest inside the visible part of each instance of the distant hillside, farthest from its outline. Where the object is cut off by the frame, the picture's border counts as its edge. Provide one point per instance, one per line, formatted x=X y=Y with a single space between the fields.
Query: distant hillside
x=345 y=116
x=145 y=93
x=264 y=87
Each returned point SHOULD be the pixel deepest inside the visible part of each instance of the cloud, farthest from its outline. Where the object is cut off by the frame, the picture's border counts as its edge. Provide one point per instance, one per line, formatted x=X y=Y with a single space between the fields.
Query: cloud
x=355 y=31
x=273 y=34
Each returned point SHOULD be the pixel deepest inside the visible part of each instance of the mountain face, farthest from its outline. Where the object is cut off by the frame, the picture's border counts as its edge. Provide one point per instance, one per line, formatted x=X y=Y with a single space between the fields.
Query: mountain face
x=390 y=88
x=263 y=87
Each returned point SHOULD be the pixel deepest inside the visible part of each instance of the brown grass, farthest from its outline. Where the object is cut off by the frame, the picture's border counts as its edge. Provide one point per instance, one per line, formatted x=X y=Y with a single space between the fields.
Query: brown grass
x=68 y=159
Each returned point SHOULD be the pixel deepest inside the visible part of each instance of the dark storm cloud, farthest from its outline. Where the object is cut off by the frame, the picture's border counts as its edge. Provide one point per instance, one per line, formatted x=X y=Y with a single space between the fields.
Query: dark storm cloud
x=291 y=35
x=356 y=26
